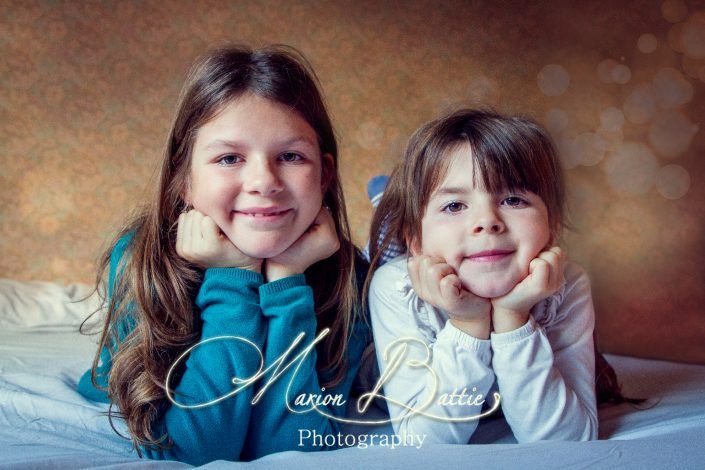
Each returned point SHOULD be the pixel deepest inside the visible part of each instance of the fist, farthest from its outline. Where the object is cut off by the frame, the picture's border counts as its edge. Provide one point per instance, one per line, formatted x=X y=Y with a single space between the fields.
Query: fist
x=546 y=276
x=318 y=242
x=201 y=242
x=436 y=282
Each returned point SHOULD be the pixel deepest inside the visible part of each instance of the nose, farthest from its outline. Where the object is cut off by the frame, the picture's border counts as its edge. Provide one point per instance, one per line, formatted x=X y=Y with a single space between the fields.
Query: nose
x=260 y=178
x=488 y=220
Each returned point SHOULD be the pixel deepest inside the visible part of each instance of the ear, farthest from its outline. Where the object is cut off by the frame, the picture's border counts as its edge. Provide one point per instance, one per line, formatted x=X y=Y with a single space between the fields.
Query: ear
x=327 y=171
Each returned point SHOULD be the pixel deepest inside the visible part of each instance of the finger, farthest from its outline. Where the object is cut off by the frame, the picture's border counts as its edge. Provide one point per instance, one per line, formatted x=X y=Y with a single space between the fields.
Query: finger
x=187 y=245
x=432 y=273
x=556 y=258
x=424 y=285
x=210 y=232
x=180 y=235
x=540 y=271
x=451 y=288
x=321 y=238
x=559 y=251
x=323 y=218
x=196 y=234
x=549 y=256
x=327 y=227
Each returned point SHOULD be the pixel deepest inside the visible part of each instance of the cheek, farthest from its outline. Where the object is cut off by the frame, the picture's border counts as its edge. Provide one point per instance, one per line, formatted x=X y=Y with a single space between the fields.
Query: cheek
x=213 y=195
x=537 y=240
x=434 y=239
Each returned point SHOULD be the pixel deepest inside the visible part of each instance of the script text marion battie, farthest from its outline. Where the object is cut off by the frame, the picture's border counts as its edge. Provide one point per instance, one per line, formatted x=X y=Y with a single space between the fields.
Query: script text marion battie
x=396 y=356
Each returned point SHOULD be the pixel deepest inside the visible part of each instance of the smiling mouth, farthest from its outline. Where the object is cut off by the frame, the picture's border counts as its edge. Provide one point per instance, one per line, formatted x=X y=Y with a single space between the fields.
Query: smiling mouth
x=490 y=256
x=261 y=215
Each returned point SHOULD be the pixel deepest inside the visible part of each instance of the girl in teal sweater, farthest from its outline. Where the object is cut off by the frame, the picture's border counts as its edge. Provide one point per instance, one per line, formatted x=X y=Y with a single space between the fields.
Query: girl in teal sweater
x=233 y=316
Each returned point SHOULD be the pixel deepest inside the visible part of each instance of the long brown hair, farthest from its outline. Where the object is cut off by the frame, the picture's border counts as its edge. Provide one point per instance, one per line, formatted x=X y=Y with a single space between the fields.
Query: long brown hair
x=156 y=287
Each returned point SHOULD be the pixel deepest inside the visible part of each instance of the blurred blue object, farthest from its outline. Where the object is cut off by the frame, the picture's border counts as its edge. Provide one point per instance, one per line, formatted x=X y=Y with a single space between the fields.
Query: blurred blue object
x=375 y=190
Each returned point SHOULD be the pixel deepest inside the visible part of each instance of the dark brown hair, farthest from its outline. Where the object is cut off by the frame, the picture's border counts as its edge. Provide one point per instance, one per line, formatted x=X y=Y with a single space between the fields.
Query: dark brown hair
x=156 y=287
x=510 y=152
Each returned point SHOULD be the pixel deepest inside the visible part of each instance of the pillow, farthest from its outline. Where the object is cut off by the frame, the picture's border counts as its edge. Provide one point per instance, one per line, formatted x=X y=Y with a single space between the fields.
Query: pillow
x=46 y=304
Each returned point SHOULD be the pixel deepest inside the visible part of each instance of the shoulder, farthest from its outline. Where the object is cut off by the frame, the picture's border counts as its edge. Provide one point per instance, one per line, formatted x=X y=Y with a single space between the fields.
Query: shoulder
x=577 y=281
x=572 y=301
x=392 y=275
x=391 y=288
x=575 y=273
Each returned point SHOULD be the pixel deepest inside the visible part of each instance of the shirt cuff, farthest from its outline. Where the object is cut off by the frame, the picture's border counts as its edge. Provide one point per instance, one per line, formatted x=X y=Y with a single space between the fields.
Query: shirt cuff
x=282 y=284
x=453 y=334
x=234 y=273
x=500 y=340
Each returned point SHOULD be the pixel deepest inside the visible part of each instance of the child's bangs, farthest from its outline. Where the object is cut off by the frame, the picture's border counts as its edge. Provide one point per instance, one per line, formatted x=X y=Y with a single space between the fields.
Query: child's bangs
x=504 y=163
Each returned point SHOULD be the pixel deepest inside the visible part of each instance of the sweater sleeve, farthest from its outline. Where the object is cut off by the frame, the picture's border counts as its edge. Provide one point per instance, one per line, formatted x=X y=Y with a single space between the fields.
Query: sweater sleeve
x=452 y=363
x=547 y=376
x=278 y=423
x=229 y=306
x=232 y=337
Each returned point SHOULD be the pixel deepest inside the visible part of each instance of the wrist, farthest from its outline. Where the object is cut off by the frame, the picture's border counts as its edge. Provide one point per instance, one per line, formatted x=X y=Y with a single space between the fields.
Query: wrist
x=479 y=328
x=254 y=267
x=275 y=271
x=504 y=319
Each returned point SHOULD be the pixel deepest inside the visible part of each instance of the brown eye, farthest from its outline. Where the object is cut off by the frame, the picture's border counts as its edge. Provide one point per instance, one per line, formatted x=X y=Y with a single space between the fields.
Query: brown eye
x=454 y=207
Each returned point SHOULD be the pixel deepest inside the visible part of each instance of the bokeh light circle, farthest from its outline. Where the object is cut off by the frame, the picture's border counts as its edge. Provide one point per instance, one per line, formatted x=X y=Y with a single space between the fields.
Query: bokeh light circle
x=647 y=43
x=631 y=168
x=621 y=74
x=604 y=70
x=674 y=11
x=671 y=89
x=569 y=152
x=692 y=38
x=639 y=106
x=611 y=119
x=592 y=148
x=556 y=120
x=672 y=181
x=671 y=133
x=553 y=80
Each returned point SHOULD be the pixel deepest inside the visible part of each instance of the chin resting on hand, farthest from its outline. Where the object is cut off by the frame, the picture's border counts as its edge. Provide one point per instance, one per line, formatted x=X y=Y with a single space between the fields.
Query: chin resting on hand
x=200 y=241
x=437 y=283
x=546 y=276
x=318 y=242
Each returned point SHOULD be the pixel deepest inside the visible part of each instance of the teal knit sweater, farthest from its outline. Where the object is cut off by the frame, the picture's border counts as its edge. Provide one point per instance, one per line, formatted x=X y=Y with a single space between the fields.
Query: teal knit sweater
x=245 y=315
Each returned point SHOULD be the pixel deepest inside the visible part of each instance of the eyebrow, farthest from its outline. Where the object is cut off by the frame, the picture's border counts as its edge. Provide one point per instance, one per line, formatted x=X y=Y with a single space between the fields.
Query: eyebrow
x=450 y=190
x=219 y=143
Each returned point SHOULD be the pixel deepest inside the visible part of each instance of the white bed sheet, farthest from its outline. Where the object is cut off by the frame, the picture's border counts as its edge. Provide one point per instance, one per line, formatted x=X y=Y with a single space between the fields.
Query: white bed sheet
x=45 y=423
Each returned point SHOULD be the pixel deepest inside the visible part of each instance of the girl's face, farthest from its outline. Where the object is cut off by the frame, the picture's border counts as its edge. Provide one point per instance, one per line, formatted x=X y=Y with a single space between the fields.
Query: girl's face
x=257 y=171
x=489 y=239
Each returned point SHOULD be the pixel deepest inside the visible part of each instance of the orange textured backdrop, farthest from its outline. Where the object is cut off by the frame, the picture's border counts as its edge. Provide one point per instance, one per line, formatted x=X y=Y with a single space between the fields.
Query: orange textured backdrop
x=87 y=90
